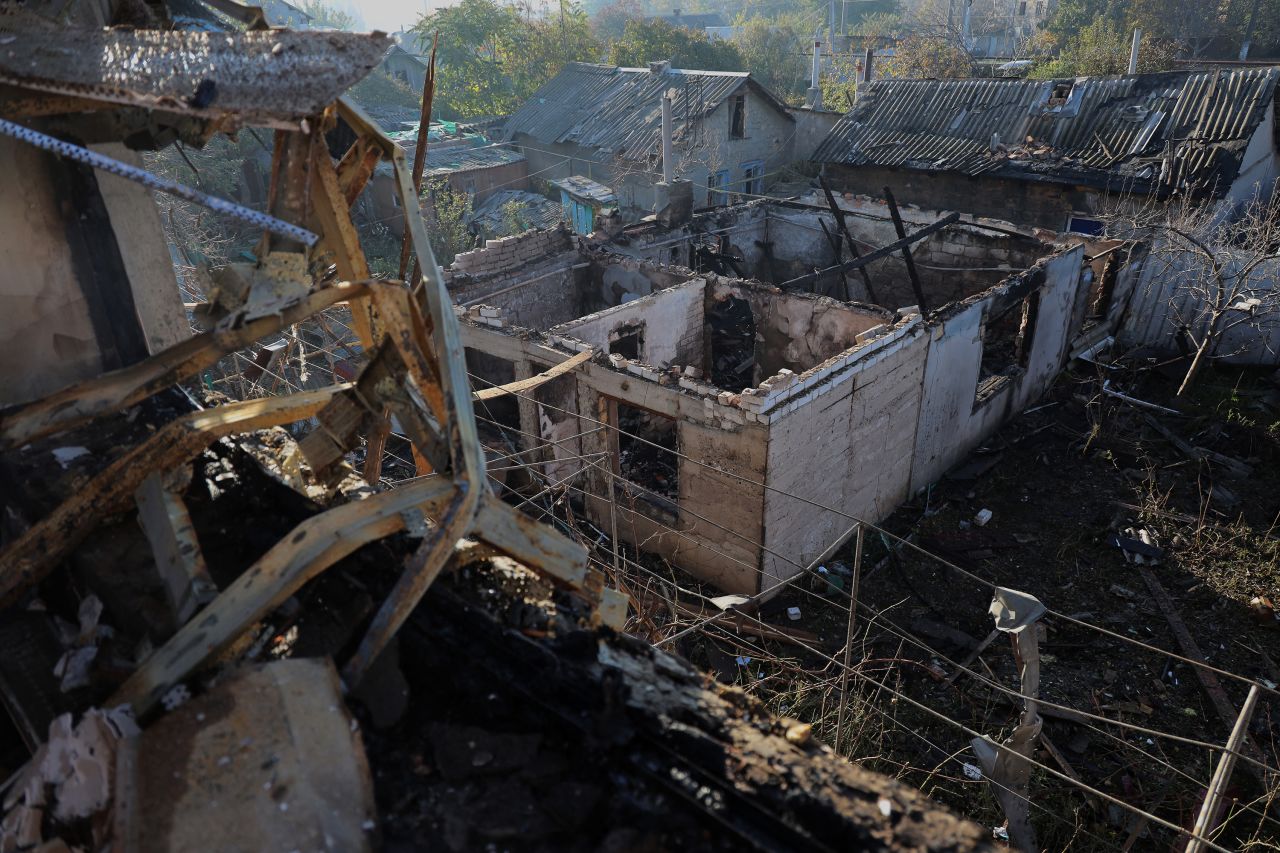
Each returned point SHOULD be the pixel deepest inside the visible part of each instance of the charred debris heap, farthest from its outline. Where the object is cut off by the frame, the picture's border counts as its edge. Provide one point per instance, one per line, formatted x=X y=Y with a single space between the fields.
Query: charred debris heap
x=212 y=628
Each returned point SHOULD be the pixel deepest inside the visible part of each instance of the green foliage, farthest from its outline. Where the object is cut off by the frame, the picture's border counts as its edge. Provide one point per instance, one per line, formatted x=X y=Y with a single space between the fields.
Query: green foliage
x=1100 y=49
x=378 y=89
x=324 y=15
x=839 y=83
x=773 y=53
x=513 y=218
x=928 y=57
x=447 y=212
x=655 y=40
x=491 y=59
x=609 y=22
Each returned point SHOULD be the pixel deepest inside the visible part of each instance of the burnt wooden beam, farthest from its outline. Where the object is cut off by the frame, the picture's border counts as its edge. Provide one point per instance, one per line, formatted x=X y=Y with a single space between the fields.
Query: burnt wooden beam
x=906 y=250
x=878 y=254
x=838 y=213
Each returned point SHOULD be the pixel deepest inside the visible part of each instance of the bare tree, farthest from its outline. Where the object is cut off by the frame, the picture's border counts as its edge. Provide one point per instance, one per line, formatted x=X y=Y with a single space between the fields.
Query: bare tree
x=1216 y=267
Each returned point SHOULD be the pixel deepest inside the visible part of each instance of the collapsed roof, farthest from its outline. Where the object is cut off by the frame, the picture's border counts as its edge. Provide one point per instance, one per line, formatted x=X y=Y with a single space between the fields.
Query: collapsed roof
x=1153 y=133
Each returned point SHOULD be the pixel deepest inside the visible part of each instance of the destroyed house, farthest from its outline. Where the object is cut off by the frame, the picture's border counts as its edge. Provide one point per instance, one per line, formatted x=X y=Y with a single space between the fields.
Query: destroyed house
x=1049 y=153
x=218 y=634
x=602 y=122
x=756 y=418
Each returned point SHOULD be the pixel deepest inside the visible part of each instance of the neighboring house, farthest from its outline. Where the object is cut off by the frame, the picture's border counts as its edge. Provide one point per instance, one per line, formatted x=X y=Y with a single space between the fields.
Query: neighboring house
x=408 y=68
x=696 y=21
x=473 y=167
x=1050 y=153
x=582 y=200
x=478 y=172
x=604 y=123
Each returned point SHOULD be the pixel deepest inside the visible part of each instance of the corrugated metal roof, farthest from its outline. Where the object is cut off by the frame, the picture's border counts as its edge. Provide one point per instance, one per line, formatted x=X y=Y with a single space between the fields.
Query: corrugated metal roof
x=460 y=158
x=1146 y=132
x=619 y=110
x=535 y=211
x=585 y=189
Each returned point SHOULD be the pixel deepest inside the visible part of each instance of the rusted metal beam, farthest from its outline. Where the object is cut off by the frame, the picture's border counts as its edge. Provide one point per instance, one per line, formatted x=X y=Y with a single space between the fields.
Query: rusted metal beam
x=420 y=155
x=308 y=550
x=111 y=392
x=356 y=167
x=45 y=544
x=906 y=250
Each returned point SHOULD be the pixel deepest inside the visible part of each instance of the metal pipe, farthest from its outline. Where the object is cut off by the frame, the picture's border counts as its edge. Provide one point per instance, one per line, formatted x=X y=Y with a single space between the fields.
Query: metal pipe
x=668 y=167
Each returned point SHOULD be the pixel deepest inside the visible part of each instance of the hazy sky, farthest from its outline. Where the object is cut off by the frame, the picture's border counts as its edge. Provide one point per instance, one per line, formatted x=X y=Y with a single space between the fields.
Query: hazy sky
x=390 y=15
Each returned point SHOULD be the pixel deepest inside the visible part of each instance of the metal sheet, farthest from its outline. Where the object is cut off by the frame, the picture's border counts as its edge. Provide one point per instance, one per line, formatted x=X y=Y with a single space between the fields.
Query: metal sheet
x=1110 y=132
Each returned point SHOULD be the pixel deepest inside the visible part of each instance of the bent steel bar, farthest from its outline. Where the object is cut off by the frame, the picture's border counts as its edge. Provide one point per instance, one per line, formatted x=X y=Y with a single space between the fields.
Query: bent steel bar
x=155 y=182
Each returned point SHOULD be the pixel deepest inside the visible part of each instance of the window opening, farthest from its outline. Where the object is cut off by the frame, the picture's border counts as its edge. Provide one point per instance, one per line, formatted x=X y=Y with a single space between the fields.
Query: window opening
x=648 y=455
x=627 y=341
x=739 y=127
x=1007 y=338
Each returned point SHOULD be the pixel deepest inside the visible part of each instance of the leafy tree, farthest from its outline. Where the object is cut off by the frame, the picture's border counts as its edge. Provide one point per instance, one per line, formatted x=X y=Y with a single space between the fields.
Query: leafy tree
x=1072 y=16
x=1100 y=49
x=447 y=213
x=654 y=40
x=491 y=59
x=326 y=16
x=773 y=53
x=609 y=22
x=928 y=57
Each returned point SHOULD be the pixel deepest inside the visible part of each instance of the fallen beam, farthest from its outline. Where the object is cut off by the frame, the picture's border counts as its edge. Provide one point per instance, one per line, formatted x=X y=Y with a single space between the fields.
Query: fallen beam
x=1208 y=678
x=534 y=381
x=122 y=388
x=308 y=550
x=878 y=254
x=29 y=559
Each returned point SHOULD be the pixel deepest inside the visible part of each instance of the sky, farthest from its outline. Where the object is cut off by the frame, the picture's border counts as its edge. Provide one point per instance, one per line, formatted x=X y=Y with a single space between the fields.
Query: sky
x=389 y=15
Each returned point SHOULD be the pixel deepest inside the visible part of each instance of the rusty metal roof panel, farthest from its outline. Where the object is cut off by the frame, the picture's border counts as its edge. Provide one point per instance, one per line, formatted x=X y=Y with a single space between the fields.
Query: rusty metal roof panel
x=1155 y=132
x=268 y=77
x=618 y=110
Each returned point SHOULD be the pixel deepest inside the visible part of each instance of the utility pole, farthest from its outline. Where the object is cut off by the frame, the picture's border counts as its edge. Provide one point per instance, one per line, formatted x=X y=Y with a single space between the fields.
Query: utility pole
x=1248 y=32
x=564 y=41
x=668 y=167
x=831 y=29
x=1133 y=51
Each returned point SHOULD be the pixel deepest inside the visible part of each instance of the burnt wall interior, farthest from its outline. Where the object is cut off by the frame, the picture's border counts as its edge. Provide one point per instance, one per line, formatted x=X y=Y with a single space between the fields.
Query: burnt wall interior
x=953 y=263
x=795 y=331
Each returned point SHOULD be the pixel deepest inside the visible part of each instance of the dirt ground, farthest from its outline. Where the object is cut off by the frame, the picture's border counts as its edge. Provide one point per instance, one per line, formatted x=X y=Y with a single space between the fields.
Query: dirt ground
x=1059 y=482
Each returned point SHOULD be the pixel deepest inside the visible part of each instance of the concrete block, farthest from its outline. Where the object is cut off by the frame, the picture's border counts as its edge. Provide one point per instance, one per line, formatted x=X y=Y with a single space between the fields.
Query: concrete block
x=871 y=334
x=618 y=361
x=490 y=311
x=492 y=244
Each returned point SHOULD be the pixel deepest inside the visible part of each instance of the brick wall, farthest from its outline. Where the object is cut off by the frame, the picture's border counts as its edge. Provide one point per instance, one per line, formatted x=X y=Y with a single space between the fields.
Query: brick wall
x=510 y=253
